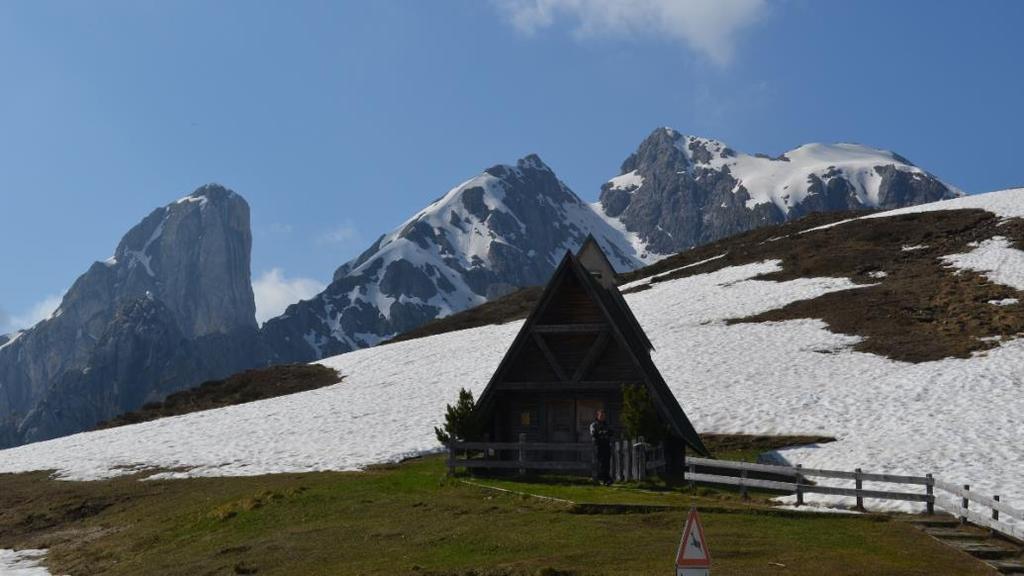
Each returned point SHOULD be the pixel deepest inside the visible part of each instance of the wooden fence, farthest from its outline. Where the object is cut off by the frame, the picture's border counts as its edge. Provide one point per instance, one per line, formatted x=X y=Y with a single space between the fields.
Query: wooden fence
x=635 y=460
x=630 y=460
x=990 y=512
x=997 y=510
x=799 y=485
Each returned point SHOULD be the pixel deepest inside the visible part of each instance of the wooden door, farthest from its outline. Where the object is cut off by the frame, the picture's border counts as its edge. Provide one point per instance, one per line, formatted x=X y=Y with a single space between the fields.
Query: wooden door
x=561 y=417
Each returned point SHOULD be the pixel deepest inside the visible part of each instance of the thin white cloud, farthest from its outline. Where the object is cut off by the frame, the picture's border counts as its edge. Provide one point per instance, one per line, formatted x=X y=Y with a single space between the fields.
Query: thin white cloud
x=280 y=228
x=39 y=311
x=274 y=292
x=343 y=234
x=708 y=27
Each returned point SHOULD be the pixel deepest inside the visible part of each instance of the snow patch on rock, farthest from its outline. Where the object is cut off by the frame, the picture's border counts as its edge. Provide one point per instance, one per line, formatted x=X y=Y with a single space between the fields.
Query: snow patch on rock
x=995 y=259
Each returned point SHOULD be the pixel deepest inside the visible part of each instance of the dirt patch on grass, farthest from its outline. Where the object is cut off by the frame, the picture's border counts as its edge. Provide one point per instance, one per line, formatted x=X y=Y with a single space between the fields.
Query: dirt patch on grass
x=32 y=518
x=240 y=388
x=748 y=446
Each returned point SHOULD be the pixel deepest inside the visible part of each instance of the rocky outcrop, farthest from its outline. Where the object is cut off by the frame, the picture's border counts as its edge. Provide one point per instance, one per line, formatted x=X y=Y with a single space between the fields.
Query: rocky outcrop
x=172 y=307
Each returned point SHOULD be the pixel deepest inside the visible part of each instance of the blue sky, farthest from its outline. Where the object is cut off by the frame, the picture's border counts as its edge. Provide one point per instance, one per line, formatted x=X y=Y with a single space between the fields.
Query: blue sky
x=338 y=120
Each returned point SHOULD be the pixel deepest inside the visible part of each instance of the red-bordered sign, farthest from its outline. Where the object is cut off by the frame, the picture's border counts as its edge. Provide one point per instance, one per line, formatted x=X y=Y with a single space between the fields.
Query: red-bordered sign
x=693 y=548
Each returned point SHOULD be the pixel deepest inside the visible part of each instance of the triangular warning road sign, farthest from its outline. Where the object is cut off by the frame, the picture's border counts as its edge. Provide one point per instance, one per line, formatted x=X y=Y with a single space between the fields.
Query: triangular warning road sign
x=693 y=548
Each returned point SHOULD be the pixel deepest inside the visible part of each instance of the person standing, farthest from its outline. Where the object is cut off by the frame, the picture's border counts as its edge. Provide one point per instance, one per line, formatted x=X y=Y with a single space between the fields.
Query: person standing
x=601 y=435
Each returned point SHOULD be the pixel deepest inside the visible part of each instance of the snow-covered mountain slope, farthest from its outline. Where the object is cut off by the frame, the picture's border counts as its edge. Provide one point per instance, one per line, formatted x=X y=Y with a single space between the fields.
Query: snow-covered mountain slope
x=501 y=230
x=506 y=228
x=957 y=417
x=679 y=191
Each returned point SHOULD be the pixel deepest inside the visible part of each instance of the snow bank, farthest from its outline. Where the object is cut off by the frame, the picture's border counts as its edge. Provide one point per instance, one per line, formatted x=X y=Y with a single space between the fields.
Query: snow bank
x=995 y=259
x=629 y=181
x=22 y=563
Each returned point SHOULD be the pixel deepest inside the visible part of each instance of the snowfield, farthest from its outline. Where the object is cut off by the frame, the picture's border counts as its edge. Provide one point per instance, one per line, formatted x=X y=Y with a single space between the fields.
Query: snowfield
x=22 y=563
x=994 y=259
x=956 y=418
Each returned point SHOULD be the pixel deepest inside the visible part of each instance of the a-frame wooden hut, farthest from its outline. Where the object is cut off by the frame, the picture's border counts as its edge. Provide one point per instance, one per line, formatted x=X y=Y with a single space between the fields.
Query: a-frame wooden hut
x=574 y=354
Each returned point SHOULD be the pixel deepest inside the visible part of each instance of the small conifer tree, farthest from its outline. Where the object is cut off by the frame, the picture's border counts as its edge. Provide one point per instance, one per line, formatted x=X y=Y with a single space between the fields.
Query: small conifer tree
x=460 y=420
x=639 y=416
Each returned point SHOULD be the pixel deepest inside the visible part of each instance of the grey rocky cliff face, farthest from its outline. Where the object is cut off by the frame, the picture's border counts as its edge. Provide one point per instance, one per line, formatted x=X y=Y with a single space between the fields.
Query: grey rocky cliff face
x=173 y=306
x=502 y=230
x=694 y=190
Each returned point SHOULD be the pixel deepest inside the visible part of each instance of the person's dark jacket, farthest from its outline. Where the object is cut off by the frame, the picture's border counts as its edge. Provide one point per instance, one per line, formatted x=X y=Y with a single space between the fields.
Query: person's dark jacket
x=600 y=433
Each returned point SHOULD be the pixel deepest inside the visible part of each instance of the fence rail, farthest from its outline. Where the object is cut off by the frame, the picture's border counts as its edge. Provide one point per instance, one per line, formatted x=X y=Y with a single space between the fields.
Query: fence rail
x=799 y=486
x=630 y=459
x=635 y=460
x=995 y=519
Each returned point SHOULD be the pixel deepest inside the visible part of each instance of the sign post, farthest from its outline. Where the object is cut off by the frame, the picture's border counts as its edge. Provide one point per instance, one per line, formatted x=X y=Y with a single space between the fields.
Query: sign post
x=693 y=557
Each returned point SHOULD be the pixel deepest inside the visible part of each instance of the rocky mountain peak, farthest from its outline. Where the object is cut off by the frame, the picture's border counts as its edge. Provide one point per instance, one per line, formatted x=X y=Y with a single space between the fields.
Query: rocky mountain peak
x=505 y=228
x=529 y=165
x=183 y=270
x=676 y=191
x=193 y=254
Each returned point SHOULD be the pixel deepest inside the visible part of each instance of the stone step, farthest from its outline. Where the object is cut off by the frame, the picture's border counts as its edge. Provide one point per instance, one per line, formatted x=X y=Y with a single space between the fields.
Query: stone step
x=1007 y=566
x=945 y=533
x=935 y=522
x=983 y=550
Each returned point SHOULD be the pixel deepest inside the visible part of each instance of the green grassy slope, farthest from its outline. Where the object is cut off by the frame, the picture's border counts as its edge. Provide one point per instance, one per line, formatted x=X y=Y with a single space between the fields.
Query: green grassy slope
x=410 y=519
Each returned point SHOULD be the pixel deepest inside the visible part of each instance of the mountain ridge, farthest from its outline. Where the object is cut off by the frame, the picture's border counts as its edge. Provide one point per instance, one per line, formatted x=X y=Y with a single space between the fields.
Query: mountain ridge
x=500 y=230
x=174 y=305
x=677 y=191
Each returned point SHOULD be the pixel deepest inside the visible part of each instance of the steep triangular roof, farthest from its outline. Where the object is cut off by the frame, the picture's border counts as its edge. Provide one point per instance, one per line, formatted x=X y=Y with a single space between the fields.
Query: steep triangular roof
x=593 y=258
x=597 y=310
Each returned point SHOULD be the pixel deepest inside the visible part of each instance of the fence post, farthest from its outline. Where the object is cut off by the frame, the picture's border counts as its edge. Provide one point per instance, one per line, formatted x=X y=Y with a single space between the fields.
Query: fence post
x=693 y=470
x=451 y=457
x=995 y=513
x=743 y=484
x=616 y=461
x=964 y=503
x=859 y=482
x=930 y=491
x=641 y=459
x=522 y=454
x=799 y=486
x=628 y=457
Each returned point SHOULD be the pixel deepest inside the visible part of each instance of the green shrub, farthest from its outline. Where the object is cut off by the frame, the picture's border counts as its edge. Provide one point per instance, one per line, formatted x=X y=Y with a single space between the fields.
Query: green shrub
x=460 y=420
x=639 y=416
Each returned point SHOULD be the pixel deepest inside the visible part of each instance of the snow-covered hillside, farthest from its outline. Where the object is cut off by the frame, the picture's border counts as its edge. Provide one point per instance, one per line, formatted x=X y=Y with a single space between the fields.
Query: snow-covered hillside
x=955 y=417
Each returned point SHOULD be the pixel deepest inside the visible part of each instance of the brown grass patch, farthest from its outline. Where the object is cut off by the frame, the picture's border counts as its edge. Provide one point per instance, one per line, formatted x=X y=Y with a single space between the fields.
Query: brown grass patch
x=248 y=386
